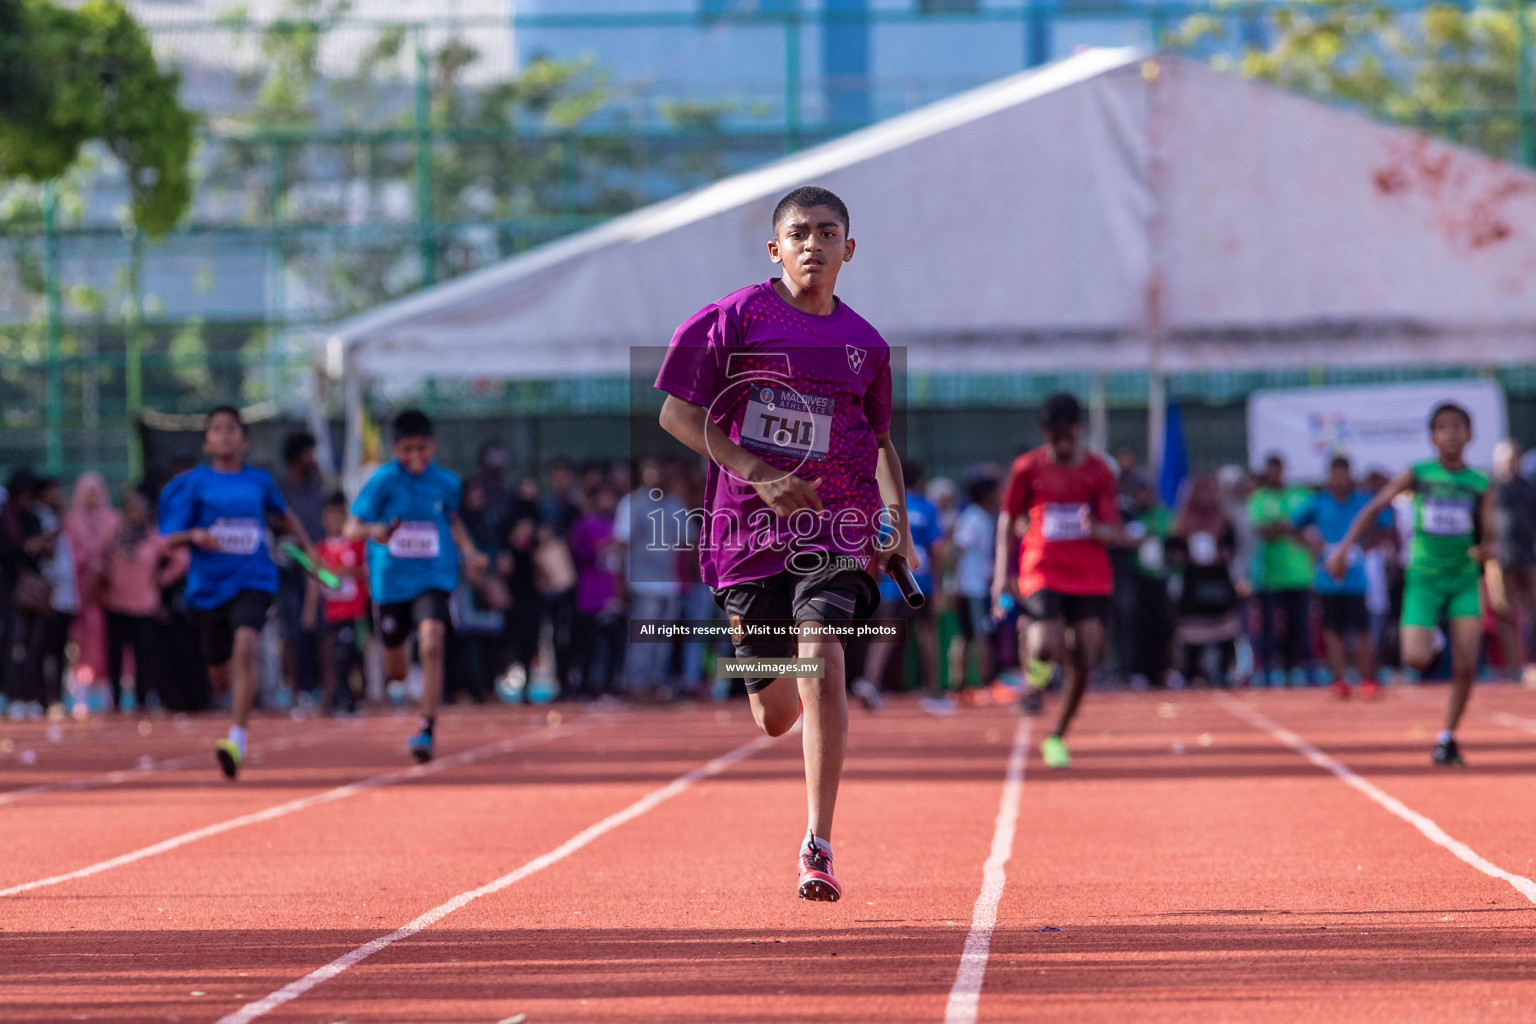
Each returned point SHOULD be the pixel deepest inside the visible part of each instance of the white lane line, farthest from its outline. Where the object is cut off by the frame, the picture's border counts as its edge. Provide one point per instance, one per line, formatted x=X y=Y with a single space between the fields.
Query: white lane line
x=1433 y=832
x=1503 y=718
x=965 y=996
x=319 y=976
x=202 y=759
x=293 y=806
x=1510 y=721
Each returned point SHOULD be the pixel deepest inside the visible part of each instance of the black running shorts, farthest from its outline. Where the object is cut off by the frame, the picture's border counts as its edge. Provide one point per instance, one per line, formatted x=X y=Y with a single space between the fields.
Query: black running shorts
x=396 y=622
x=833 y=595
x=216 y=626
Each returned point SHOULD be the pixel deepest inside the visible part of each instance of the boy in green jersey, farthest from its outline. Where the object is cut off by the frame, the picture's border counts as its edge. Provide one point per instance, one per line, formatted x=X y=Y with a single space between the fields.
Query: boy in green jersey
x=1453 y=515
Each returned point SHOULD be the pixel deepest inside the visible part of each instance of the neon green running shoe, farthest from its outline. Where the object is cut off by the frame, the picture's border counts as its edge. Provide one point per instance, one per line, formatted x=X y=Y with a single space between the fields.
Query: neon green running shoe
x=1040 y=673
x=1054 y=751
x=229 y=757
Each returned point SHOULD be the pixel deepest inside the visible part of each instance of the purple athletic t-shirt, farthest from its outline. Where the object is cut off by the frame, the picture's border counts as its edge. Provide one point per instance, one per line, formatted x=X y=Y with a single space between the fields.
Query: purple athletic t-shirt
x=806 y=394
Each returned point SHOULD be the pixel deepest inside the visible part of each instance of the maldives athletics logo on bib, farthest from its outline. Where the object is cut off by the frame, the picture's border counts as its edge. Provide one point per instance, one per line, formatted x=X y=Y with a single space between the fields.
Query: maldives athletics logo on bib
x=856 y=357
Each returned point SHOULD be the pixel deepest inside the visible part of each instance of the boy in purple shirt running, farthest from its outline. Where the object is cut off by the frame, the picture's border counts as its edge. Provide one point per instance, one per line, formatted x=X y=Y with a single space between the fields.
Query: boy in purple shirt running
x=787 y=391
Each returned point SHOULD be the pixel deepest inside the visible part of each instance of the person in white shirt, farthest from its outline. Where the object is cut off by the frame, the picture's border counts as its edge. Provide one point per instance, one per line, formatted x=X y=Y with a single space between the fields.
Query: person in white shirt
x=649 y=523
x=974 y=541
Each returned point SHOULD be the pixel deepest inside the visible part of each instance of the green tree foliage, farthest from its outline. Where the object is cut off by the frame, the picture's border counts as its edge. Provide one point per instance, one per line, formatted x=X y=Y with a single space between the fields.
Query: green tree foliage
x=1446 y=67
x=72 y=75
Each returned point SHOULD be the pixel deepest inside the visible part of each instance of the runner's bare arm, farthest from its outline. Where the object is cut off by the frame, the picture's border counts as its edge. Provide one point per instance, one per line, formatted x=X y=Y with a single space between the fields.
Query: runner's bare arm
x=379 y=533
x=295 y=528
x=195 y=537
x=784 y=492
x=1338 y=562
x=893 y=494
x=474 y=559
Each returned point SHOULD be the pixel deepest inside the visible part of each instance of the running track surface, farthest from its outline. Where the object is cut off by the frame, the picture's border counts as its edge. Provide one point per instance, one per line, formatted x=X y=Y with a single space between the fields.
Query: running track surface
x=1194 y=864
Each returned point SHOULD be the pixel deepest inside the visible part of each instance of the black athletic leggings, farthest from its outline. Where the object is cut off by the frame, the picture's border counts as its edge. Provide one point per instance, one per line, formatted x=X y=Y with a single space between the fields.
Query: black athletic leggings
x=136 y=632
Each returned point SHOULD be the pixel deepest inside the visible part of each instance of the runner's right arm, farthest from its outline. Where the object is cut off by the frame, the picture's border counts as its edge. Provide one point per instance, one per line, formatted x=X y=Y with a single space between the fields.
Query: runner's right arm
x=1004 y=574
x=175 y=520
x=367 y=509
x=784 y=492
x=1338 y=562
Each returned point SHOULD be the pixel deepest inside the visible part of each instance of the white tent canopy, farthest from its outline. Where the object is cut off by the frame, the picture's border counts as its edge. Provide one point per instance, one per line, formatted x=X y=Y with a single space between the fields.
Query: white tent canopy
x=1105 y=212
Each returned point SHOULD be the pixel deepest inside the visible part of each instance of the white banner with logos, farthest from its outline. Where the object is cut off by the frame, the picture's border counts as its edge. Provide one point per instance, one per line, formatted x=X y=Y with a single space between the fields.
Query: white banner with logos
x=1384 y=426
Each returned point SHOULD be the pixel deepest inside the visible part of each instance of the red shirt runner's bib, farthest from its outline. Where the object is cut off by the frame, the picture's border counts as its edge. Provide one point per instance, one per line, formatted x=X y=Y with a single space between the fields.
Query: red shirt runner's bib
x=1062 y=502
x=348 y=602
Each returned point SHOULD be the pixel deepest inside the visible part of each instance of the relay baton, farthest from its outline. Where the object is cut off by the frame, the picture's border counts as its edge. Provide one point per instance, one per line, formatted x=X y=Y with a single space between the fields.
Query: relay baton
x=899 y=571
x=303 y=561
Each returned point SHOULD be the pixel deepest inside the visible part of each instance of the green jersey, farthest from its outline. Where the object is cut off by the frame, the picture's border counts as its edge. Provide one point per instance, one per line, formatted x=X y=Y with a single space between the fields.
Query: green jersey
x=1283 y=564
x=1151 y=529
x=1447 y=509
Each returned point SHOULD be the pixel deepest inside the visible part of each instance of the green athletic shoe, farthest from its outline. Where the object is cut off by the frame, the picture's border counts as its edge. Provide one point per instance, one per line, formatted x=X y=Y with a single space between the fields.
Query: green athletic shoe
x=1055 y=752
x=229 y=757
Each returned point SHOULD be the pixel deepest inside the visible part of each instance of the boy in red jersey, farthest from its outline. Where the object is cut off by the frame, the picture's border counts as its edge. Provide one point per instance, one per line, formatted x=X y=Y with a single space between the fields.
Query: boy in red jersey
x=345 y=608
x=1067 y=497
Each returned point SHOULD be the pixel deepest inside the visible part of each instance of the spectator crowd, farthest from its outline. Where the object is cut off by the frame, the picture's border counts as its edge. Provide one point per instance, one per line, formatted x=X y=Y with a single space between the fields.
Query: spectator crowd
x=1224 y=588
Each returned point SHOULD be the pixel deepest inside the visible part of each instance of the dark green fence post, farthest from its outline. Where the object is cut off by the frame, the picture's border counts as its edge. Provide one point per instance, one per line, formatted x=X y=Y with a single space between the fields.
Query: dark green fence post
x=1526 y=100
x=53 y=401
x=792 y=81
x=426 y=246
x=133 y=356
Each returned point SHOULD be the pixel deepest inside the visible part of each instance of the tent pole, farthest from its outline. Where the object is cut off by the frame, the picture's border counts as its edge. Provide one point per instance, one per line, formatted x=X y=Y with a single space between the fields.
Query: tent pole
x=352 y=461
x=1098 y=415
x=1157 y=395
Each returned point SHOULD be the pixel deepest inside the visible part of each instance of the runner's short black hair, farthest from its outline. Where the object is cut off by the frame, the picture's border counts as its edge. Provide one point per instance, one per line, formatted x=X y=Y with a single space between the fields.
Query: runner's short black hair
x=336 y=499
x=807 y=196
x=1061 y=411
x=1466 y=417
x=224 y=410
x=412 y=423
x=1339 y=460
x=981 y=489
x=296 y=444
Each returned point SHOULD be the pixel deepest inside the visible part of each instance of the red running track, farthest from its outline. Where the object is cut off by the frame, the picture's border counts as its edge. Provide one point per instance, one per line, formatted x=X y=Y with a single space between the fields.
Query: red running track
x=1190 y=866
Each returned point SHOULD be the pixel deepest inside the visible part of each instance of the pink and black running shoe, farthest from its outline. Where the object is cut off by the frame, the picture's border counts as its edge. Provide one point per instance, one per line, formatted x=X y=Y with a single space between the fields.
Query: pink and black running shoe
x=816 y=880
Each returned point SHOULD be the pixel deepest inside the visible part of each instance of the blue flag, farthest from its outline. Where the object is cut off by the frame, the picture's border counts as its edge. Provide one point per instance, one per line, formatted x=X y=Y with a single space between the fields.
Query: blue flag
x=1175 y=467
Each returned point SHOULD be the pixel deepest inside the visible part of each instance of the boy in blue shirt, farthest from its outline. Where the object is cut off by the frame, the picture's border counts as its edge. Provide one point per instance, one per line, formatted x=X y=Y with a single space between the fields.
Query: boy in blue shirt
x=1324 y=520
x=409 y=514
x=220 y=511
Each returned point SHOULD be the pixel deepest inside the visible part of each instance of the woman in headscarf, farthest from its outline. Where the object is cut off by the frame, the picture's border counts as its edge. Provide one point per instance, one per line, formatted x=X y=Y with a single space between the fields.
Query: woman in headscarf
x=91 y=526
x=1200 y=548
x=138 y=566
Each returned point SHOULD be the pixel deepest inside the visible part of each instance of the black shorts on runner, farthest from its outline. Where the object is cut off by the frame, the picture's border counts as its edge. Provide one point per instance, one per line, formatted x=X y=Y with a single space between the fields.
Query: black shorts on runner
x=396 y=622
x=975 y=615
x=1047 y=605
x=216 y=626
x=1345 y=613
x=834 y=596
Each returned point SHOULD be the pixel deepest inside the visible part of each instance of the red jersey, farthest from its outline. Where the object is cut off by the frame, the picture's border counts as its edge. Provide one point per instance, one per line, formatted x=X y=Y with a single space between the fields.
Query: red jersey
x=349 y=602
x=1062 y=501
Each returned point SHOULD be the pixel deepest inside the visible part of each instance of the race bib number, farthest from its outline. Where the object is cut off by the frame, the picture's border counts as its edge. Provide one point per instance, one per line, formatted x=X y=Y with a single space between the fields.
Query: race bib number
x=415 y=540
x=782 y=421
x=1202 y=549
x=1447 y=517
x=236 y=536
x=1065 y=522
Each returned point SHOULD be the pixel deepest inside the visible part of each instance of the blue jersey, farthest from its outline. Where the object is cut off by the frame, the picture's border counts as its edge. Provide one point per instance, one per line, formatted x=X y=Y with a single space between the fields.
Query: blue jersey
x=232 y=507
x=1332 y=518
x=421 y=555
x=923 y=520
